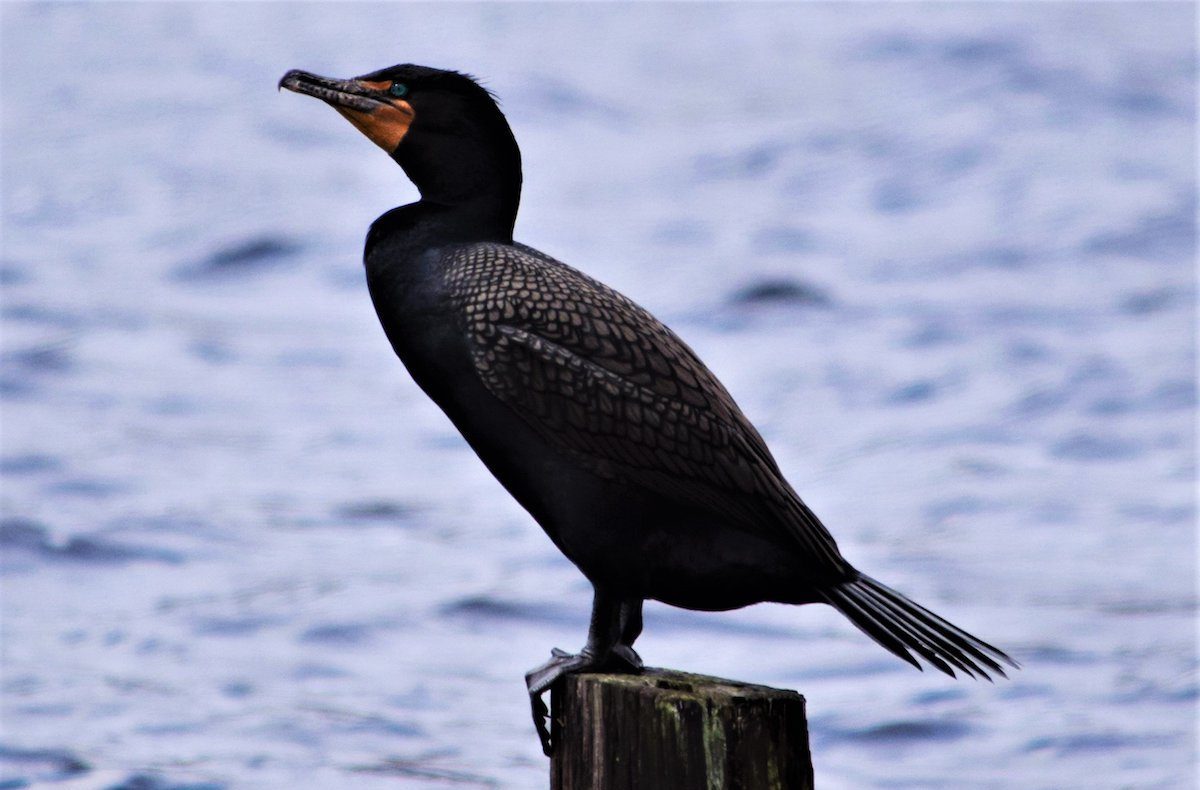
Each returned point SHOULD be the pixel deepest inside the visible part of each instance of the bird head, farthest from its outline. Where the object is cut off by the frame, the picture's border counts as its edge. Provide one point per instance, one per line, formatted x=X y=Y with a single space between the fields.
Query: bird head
x=442 y=127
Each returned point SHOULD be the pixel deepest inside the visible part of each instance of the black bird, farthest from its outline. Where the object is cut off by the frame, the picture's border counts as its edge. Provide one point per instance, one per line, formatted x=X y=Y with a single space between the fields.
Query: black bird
x=595 y=416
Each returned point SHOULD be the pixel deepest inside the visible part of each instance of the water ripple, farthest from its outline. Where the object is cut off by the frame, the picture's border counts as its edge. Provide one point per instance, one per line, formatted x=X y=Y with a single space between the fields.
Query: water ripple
x=30 y=536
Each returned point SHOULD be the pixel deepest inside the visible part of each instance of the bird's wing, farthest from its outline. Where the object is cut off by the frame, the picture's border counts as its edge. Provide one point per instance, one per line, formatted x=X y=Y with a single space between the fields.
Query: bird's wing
x=604 y=380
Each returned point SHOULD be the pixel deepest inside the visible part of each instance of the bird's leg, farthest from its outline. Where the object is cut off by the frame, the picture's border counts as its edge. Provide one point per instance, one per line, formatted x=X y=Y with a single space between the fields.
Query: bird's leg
x=631 y=628
x=604 y=636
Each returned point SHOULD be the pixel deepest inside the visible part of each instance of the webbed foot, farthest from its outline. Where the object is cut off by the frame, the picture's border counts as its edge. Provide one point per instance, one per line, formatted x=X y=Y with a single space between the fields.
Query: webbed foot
x=630 y=661
x=621 y=658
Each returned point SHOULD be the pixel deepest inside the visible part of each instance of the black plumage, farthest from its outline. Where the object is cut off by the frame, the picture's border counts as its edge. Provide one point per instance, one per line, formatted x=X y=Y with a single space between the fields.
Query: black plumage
x=595 y=416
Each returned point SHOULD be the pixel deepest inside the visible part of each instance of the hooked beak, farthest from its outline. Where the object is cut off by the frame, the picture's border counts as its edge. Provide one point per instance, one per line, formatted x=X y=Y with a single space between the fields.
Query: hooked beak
x=381 y=117
x=350 y=94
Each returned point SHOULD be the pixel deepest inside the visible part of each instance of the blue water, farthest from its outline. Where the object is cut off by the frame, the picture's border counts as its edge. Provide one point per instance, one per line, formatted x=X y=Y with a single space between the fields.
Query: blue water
x=942 y=255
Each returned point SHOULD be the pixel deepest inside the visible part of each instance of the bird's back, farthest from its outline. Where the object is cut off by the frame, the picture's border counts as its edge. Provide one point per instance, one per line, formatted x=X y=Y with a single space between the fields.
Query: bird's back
x=621 y=395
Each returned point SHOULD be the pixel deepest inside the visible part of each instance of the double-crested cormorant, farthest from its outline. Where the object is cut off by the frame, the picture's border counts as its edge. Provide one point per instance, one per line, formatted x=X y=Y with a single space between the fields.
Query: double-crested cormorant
x=601 y=422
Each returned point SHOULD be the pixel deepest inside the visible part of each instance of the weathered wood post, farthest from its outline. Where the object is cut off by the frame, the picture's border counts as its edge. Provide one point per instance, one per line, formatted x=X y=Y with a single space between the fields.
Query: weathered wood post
x=666 y=730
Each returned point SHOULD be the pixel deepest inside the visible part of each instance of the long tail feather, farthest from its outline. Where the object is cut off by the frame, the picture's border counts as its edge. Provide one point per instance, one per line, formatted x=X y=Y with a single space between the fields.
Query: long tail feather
x=900 y=625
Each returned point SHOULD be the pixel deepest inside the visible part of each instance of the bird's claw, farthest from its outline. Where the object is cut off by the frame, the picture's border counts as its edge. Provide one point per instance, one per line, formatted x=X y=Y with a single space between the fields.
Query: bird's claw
x=539 y=681
x=540 y=716
x=622 y=658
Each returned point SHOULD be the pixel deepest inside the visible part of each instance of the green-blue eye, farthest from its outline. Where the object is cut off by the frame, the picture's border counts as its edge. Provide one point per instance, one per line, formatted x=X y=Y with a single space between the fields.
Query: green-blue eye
x=398 y=89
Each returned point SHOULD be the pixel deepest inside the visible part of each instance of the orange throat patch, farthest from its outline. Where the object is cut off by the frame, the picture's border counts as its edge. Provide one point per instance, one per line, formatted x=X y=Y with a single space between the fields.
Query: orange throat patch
x=386 y=126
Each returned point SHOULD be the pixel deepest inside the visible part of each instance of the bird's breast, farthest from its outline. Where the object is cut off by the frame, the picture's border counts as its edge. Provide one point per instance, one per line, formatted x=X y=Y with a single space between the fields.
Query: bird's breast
x=415 y=314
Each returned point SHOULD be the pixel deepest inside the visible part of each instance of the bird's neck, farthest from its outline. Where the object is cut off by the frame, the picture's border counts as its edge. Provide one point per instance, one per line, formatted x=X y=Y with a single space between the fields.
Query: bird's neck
x=482 y=217
x=406 y=233
x=470 y=194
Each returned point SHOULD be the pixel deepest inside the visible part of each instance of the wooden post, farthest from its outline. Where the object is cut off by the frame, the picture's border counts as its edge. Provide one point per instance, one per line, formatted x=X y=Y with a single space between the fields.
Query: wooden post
x=666 y=730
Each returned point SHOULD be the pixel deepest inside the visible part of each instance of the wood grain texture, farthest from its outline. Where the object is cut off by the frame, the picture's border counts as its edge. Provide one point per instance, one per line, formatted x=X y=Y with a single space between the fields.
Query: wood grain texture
x=674 y=731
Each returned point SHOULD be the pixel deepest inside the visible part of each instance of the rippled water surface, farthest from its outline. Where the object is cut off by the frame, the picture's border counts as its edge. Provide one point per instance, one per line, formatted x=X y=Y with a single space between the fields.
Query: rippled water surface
x=943 y=256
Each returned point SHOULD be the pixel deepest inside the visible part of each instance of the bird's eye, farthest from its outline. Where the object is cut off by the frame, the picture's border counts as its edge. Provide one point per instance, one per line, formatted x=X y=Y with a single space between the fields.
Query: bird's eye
x=398 y=89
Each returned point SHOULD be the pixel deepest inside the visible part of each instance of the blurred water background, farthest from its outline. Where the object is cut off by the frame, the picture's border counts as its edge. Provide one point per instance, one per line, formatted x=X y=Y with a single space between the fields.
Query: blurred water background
x=942 y=255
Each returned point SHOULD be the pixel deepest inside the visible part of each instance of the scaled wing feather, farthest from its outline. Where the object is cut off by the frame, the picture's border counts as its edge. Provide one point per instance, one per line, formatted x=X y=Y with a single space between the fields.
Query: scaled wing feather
x=612 y=386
